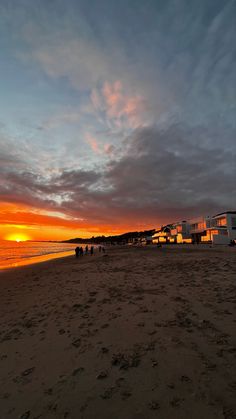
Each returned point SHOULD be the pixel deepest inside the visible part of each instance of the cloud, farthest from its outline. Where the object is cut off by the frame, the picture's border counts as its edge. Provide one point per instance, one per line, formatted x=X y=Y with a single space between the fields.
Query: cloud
x=67 y=116
x=76 y=59
x=100 y=148
x=186 y=70
x=139 y=73
x=92 y=141
x=161 y=177
x=120 y=109
x=170 y=169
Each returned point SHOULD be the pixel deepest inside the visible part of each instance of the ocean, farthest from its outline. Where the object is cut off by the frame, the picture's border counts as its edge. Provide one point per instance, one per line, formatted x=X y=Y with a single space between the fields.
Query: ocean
x=13 y=254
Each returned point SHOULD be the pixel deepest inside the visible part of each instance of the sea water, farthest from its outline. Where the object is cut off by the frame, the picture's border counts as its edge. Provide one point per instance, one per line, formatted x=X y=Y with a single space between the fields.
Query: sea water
x=13 y=254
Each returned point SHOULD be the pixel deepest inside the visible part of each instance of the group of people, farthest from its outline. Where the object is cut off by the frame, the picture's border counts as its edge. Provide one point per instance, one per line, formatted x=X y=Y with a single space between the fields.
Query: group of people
x=79 y=251
x=101 y=249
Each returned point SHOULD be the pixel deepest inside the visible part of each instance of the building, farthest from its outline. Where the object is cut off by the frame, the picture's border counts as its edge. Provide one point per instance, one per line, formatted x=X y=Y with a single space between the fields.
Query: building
x=198 y=228
x=162 y=235
x=180 y=232
x=216 y=229
x=225 y=221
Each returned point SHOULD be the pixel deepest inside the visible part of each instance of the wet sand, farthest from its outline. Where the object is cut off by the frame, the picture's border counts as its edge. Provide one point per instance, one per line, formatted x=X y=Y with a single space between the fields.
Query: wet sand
x=137 y=333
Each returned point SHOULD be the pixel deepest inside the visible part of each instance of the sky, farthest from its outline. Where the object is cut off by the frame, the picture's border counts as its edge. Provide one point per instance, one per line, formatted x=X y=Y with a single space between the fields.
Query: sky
x=115 y=115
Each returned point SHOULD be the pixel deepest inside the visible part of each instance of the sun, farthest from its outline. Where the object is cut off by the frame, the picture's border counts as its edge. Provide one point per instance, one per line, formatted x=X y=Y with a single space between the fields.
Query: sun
x=16 y=237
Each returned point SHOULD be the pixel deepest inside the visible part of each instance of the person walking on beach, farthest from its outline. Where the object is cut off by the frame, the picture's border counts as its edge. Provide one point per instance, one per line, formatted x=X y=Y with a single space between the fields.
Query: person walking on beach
x=81 y=251
x=91 y=250
x=100 y=249
x=77 y=252
x=86 y=249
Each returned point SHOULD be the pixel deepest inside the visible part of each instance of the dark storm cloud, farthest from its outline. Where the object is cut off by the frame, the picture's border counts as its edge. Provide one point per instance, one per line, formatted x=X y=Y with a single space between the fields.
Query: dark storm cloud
x=165 y=169
x=33 y=189
x=161 y=176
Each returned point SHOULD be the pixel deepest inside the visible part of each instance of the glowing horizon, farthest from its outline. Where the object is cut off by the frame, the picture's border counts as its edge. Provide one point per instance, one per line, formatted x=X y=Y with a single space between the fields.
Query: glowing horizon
x=32 y=224
x=17 y=237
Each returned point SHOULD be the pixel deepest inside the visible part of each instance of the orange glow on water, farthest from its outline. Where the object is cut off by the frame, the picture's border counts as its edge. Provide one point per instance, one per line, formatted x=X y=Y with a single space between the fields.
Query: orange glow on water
x=35 y=259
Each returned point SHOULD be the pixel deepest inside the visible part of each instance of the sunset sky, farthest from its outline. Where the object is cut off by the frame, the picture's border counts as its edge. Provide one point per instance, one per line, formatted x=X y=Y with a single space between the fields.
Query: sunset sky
x=115 y=115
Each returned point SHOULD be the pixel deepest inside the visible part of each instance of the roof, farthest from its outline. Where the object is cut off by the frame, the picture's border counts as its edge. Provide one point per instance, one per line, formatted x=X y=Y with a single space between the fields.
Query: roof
x=226 y=212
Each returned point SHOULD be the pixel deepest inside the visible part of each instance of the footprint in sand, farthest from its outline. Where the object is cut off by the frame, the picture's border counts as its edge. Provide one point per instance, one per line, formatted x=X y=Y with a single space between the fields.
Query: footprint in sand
x=125 y=394
x=25 y=415
x=104 y=350
x=102 y=375
x=108 y=393
x=48 y=391
x=77 y=371
x=27 y=372
x=154 y=405
x=176 y=402
x=185 y=378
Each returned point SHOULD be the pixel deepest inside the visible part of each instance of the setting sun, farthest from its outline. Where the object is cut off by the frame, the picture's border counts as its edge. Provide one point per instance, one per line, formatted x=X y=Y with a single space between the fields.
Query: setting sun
x=18 y=237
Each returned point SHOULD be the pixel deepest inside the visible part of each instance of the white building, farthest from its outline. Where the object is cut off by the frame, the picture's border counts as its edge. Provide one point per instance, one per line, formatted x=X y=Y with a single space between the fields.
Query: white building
x=225 y=220
x=217 y=229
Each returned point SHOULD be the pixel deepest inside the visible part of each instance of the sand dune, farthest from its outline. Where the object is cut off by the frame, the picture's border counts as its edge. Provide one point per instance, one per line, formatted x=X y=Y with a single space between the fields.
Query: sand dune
x=136 y=333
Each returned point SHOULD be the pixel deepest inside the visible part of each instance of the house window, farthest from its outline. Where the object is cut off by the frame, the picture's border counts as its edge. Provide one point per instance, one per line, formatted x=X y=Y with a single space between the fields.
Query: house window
x=215 y=232
x=206 y=237
x=221 y=221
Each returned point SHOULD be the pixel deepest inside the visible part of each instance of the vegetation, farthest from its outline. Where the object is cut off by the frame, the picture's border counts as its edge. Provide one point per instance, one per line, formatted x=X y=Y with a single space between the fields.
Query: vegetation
x=120 y=239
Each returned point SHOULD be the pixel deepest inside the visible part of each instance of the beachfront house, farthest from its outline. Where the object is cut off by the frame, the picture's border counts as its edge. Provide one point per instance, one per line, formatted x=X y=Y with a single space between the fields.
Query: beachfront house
x=217 y=229
x=224 y=221
x=180 y=232
x=162 y=235
x=198 y=228
x=173 y=233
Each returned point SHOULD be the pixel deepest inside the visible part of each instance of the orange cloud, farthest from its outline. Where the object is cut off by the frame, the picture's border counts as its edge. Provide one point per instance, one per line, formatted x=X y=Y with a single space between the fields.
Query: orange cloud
x=30 y=223
x=99 y=147
x=93 y=143
x=119 y=106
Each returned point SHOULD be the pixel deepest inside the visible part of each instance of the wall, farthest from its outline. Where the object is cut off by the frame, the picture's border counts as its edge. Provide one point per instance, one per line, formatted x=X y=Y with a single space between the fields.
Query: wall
x=220 y=239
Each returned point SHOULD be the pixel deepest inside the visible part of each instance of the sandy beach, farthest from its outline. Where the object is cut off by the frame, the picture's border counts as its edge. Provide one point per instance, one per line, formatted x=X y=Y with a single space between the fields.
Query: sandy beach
x=135 y=333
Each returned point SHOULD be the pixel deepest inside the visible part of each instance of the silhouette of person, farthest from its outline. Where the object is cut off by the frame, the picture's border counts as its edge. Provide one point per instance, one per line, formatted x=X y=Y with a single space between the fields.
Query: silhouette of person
x=91 y=250
x=86 y=249
x=77 y=251
x=81 y=251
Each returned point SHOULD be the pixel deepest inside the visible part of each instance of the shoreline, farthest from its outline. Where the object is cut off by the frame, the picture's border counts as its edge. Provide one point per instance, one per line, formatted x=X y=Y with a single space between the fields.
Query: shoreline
x=41 y=266
x=34 y=260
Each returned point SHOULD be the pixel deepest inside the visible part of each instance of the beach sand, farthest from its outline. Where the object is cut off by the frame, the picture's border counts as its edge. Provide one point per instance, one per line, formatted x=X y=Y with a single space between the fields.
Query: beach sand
x=136 y=333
